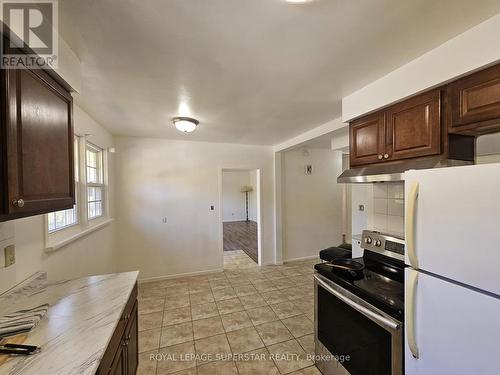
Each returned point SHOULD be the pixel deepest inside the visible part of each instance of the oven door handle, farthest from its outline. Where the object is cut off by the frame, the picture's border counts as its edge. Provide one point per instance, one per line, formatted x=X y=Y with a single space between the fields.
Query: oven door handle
x=380 y=319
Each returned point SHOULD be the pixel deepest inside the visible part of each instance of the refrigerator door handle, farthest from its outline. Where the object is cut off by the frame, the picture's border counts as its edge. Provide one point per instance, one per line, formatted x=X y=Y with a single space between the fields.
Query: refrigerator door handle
x=411 y=286
x=410 y=225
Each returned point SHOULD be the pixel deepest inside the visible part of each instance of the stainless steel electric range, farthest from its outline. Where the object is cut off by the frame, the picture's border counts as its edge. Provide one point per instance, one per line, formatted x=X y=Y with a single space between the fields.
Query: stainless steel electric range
x=359 y=307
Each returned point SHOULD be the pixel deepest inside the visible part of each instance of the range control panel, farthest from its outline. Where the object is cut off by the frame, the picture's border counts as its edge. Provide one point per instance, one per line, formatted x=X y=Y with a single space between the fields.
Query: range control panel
x=383 y=244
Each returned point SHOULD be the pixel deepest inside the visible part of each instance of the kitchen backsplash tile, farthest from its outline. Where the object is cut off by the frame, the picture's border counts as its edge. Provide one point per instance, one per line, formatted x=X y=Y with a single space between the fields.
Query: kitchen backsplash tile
x=380 y=206
x=388 y=208
x=396 y=190
x=396 y=207
x=380 y=222
x=395 y=225
x=380 y=191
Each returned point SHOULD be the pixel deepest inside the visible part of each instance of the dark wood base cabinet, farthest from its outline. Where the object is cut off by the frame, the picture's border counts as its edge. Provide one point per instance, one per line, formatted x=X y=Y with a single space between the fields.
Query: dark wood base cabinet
x=122 y=355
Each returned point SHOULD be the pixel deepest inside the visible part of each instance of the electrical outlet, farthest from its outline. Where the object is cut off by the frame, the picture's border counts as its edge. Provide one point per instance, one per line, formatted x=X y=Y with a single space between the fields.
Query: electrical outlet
x=10 y=255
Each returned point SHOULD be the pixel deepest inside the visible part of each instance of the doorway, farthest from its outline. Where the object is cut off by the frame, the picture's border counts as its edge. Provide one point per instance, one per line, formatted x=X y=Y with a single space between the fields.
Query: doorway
x=240 y=218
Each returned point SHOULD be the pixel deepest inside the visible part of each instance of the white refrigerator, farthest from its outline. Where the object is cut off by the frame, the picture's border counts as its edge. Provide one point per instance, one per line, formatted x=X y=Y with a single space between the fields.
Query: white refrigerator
x=452 y=284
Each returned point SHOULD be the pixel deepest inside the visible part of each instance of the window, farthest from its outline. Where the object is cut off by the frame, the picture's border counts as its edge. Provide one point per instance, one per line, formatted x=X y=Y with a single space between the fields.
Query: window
x=90 y=193
x=62 y=219
x=66 y=218
x=95 y=181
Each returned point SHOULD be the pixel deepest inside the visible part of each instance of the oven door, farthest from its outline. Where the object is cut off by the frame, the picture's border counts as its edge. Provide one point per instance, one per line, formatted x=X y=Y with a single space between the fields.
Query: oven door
x=352 y=336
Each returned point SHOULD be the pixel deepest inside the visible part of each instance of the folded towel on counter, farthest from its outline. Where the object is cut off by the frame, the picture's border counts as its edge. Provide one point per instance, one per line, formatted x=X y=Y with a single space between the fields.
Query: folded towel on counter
x=22 y=321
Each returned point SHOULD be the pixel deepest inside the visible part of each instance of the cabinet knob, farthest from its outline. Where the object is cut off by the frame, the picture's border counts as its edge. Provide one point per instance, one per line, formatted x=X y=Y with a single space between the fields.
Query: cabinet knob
x=18 y=203
x=386 y=156
x=380 y=157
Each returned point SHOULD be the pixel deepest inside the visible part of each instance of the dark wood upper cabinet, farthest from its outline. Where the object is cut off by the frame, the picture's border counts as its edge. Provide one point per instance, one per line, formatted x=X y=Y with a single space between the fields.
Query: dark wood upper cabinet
x=367 y=136
x=474 y=102
x=440 y=121
x=414 y=127
x=408 y=129
x=36 y=139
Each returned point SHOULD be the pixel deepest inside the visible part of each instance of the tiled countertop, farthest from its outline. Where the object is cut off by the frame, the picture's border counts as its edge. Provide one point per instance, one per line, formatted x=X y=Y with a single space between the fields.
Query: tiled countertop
x=82 y=317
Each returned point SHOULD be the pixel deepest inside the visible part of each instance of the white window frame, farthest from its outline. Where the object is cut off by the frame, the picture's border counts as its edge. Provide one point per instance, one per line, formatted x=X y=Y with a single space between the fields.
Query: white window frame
x=57 y=239
x=100 y=180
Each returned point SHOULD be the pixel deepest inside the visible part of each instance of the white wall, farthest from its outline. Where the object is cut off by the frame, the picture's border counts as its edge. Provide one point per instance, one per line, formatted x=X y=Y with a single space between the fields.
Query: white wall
x=90 y=255
x=312 y=211
x=469 y=51
x=179 y=180
x=233 y=200
x=361 y=195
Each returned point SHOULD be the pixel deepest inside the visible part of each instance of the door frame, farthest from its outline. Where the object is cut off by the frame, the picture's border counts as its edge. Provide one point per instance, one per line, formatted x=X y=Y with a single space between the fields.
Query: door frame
x=258 y=194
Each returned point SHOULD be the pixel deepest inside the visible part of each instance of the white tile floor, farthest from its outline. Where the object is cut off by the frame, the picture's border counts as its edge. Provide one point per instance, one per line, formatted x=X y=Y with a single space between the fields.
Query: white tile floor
x=245 y=320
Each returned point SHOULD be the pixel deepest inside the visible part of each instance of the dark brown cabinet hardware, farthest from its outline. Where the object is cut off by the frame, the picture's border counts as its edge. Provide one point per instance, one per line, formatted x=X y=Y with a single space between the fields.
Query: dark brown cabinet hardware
x=122 y=354
x=36 y=143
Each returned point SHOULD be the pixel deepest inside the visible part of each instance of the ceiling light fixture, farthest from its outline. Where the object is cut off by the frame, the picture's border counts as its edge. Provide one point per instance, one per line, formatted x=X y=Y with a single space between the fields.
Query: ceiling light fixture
x=185 y=124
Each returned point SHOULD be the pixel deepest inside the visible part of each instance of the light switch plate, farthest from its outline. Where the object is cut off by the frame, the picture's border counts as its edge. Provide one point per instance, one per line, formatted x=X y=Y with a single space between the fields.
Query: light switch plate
x=10 y=255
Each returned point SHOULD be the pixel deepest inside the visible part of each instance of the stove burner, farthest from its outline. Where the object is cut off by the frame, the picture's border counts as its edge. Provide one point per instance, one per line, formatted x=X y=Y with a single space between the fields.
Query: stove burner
x=347 y=267
x=385 y=288
x=378 y=280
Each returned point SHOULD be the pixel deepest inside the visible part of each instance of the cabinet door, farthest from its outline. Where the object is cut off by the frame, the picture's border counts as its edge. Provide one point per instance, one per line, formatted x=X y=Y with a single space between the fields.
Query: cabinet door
x=131 y=337
x=367 y=136
x=119 y=365
x=414 y=127
x=39 y=142
x=475 y=100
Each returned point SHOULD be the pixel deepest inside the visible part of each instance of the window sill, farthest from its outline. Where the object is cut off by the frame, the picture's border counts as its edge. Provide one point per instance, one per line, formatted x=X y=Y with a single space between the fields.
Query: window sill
x=56 y=246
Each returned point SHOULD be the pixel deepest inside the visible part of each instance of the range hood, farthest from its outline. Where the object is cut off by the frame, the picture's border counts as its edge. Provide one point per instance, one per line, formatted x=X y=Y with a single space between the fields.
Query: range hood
x=394 y=171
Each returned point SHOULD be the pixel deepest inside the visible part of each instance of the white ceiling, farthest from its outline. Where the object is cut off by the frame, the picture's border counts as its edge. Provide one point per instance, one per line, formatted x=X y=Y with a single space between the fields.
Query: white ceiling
x=252 y=71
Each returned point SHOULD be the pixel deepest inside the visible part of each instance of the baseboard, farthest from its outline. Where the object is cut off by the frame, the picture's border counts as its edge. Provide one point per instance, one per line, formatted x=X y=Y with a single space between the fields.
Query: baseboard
x=301 y=258
x=186 y=274
x=235 y=220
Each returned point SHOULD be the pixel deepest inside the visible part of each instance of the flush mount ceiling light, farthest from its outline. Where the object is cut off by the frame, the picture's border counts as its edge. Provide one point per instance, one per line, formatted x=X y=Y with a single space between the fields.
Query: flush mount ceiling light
x=185 y=124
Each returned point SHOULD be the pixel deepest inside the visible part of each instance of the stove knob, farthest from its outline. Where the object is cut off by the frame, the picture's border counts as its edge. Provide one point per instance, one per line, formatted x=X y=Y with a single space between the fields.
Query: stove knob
x=378 y=243
x=368 y=240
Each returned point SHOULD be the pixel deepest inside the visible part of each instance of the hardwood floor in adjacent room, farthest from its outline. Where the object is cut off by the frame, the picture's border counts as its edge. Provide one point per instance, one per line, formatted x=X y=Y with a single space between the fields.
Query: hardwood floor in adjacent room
x=241 y=235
